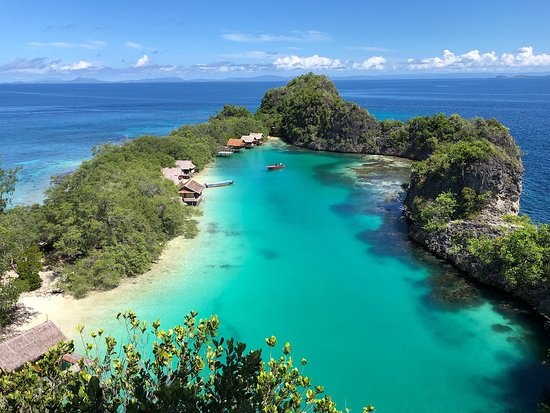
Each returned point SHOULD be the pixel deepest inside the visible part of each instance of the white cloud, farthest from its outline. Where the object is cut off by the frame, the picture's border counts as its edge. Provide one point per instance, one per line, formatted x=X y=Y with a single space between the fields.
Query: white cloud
x=143 y=61
x=310 y=62
x=41 y=66
x=81 y=65
x=307 y=36
x=133 y=45
x=375 y=62
x=476 y=60
x=526 y=57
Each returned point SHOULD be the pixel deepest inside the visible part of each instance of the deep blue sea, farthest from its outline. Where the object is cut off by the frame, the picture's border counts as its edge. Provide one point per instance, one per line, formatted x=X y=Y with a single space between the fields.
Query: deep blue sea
x=49 y=128
x=315 y=253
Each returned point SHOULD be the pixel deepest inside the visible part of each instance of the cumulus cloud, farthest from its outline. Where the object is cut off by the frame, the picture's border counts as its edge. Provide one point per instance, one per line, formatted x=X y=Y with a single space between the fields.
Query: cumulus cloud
x=143 y=61
x=81 y=65
x=307 y=36
x=375 y=62
x=310 y=62
x=525 y=57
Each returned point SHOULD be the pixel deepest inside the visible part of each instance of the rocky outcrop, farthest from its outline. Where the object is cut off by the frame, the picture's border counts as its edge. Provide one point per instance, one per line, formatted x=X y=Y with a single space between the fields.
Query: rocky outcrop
x=474 y=163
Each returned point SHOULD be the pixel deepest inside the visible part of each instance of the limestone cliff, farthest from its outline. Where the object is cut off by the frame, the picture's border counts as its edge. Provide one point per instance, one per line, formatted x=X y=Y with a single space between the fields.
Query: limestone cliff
x=466 y=181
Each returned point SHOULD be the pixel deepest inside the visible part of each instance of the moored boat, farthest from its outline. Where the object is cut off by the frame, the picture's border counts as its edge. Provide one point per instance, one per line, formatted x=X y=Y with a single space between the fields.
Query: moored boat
x=221 y=183
x=276 y=166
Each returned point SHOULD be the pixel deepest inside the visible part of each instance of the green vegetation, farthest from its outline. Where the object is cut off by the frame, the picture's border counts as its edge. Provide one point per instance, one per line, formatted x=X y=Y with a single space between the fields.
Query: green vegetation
x=434 y=215
x=19 y=237
x=521 y=255
x=310 y=112
x=466 y=170
x=189 y=371
x=111 y=218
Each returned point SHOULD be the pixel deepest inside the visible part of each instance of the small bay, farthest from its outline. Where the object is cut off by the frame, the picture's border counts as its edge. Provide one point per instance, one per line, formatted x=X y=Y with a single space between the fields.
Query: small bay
x=315 y=254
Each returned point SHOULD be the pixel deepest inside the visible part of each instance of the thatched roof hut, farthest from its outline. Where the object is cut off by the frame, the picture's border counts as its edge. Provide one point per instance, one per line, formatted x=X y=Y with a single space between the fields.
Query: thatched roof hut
x=174 y=174
x=235 y=143
x=191 y=186
x=30 y=345
x=185 y=165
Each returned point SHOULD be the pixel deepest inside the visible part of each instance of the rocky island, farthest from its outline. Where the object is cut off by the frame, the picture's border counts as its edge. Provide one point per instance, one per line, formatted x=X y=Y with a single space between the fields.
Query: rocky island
x=462 y=202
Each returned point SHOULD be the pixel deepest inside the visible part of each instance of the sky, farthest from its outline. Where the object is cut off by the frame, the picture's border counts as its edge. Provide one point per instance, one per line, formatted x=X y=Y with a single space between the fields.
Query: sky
x=142 y=39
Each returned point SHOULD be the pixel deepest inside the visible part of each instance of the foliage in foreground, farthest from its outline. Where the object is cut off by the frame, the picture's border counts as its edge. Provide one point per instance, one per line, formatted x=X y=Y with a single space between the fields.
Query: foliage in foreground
x=189 y=371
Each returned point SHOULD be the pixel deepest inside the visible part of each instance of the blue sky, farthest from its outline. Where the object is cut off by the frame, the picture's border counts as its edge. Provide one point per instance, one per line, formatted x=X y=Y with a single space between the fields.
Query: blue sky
x=122 y=39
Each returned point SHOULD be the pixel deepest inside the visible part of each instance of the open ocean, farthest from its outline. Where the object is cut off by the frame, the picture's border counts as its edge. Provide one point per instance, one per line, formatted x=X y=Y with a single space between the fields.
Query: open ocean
x=315 y=253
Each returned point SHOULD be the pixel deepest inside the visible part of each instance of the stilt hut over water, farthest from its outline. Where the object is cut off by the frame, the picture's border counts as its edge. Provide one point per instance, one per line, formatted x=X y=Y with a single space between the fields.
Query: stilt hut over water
x=191 y=192
x=29 y=346
x=248 y=141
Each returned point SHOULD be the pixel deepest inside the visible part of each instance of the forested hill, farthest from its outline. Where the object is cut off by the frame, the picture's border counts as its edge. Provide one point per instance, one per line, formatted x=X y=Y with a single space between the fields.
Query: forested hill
x=463 y=198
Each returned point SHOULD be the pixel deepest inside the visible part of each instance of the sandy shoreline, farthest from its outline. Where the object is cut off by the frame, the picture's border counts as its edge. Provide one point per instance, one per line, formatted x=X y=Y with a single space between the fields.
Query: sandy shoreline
x=67 y=312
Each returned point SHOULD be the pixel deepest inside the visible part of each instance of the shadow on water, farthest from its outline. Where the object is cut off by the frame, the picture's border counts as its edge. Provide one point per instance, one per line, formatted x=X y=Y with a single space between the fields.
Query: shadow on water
x=445 y=289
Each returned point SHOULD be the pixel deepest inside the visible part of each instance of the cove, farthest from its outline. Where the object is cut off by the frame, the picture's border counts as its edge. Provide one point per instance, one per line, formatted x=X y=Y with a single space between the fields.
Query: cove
x=317 y=255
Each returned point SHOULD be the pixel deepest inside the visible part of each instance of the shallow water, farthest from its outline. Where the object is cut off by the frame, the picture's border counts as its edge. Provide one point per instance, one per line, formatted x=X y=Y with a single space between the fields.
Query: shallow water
x=316 y=254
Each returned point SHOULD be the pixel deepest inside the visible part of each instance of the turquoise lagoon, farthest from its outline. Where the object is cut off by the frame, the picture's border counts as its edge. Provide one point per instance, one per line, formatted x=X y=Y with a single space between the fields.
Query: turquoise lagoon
x=317 y=254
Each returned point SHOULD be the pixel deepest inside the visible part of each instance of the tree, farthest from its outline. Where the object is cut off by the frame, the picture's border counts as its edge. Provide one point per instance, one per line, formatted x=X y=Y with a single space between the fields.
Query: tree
x=190 y=370
x=8 y=178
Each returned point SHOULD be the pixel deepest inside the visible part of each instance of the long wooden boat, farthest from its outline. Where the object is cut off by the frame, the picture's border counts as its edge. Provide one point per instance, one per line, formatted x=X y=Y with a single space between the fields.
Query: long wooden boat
x=221 y=183
x=275 y=167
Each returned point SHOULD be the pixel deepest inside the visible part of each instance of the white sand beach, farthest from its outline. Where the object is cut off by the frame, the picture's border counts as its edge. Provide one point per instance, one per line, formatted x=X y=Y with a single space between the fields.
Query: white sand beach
x=67 y=312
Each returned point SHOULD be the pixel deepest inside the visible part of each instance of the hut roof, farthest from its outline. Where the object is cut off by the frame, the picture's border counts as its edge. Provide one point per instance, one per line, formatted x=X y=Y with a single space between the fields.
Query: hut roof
x=29 y=346
x=192 y=186
x=248 y=139
x=172 y=174
x=235 y=142
x=256 y=135
x=185 y=164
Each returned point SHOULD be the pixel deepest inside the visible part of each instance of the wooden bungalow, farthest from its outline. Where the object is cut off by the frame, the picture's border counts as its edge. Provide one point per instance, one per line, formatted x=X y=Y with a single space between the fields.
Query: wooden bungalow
x=191 y=192
x=236 y=145
x=182 y=170
x=29 y=346
x=187 y=169
x=248 y=141
x=258 y=137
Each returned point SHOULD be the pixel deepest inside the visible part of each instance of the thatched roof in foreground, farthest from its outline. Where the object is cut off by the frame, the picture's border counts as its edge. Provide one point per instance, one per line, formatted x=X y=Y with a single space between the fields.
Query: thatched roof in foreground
x=29 y=346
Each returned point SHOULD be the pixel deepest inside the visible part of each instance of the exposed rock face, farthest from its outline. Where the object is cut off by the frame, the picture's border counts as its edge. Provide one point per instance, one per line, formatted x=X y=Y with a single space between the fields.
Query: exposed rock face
x=500 y=177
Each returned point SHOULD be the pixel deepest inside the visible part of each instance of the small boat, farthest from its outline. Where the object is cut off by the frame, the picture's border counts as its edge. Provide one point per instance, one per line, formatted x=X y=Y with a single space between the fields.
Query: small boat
x=276 y=166
x=221 y=183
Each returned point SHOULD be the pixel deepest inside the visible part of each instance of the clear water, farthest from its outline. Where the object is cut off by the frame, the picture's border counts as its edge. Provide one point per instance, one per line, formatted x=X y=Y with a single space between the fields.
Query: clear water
x=315 y=254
